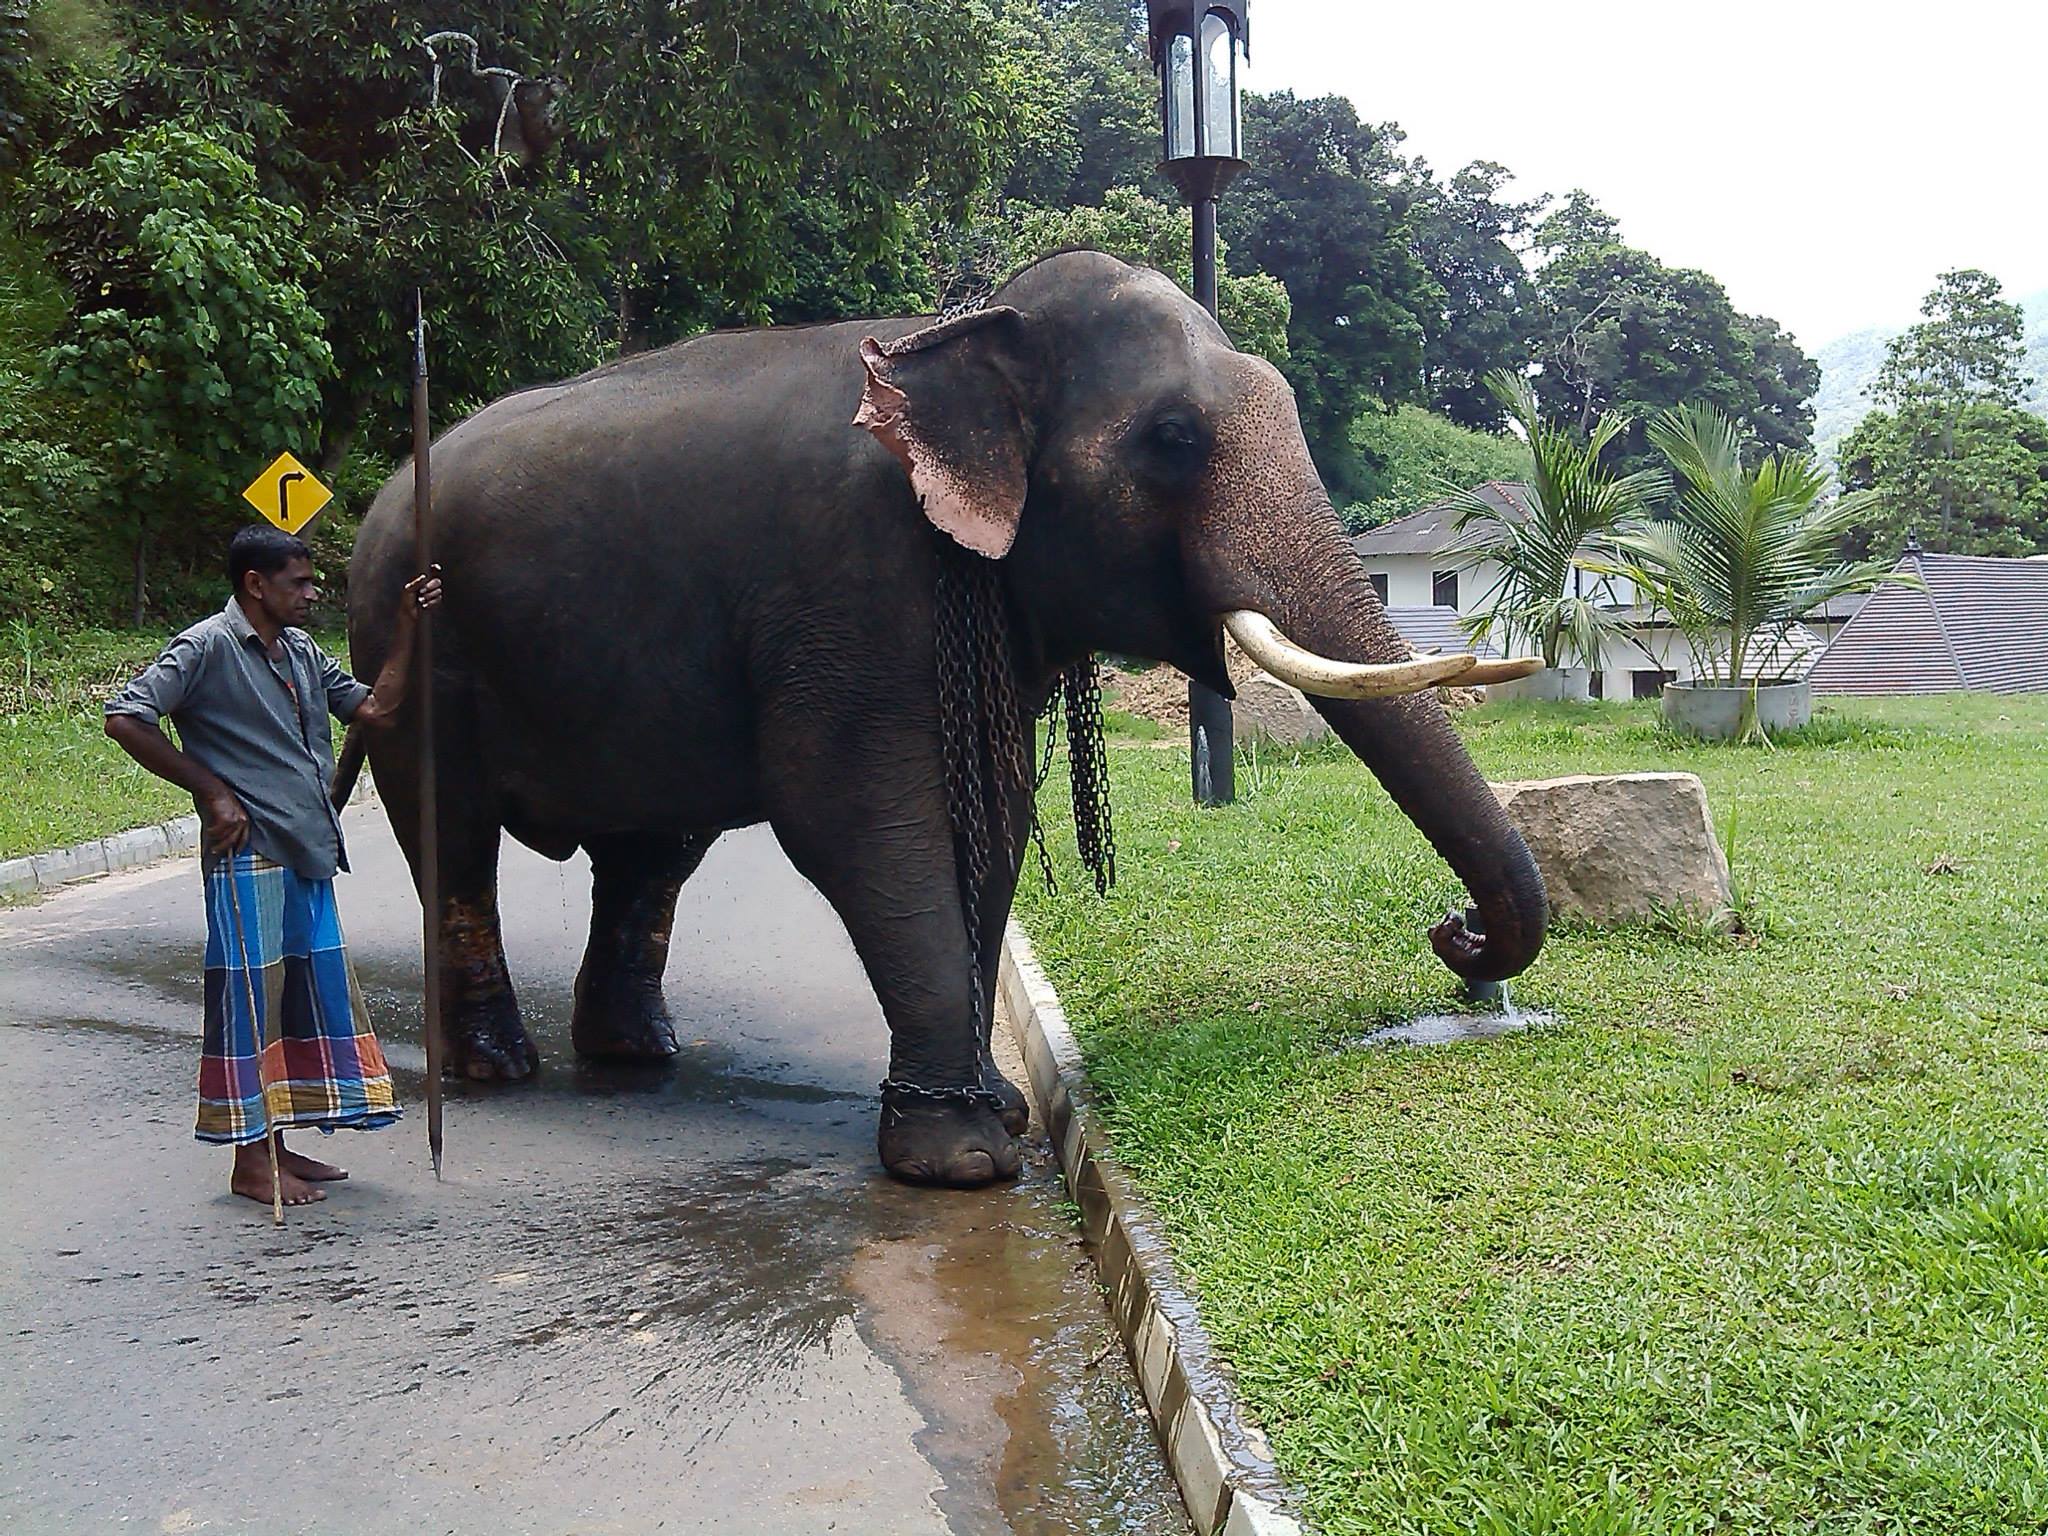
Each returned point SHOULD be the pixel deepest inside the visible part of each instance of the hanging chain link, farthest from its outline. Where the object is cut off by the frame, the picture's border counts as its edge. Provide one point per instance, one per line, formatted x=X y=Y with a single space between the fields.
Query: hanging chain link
x=1088 y=766
x=982 y=753
x=988 y=754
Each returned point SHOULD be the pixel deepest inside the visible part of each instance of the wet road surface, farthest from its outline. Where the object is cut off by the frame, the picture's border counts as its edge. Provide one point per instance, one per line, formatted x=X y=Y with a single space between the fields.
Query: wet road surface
x=686 y=1301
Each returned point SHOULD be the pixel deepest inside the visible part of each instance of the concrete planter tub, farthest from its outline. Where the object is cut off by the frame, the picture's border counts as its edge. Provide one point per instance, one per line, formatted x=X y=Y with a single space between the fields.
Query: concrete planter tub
x=1570 y=685
x=1716 y=714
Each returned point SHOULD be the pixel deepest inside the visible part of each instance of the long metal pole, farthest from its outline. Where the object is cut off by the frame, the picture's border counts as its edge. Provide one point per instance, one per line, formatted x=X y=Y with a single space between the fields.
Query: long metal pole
x=1211 y=752
x=423 y=685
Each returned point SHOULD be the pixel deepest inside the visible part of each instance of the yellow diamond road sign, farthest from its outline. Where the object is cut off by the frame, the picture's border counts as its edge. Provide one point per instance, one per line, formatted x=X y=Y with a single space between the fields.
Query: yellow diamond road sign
x=287 y=494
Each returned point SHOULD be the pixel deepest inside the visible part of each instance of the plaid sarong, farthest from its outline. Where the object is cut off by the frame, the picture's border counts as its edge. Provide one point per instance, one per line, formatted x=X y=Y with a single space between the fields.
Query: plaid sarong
x=308 y=1056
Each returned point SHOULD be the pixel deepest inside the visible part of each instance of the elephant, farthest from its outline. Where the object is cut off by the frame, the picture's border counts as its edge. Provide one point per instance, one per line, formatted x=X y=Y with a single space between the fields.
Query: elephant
x=693 y=590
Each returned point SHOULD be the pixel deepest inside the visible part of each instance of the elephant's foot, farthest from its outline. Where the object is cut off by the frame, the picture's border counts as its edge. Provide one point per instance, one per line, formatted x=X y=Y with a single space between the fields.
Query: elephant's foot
x=1014 y=1109
x=955 y=1138
x=487 y=1042
x=621 y=1018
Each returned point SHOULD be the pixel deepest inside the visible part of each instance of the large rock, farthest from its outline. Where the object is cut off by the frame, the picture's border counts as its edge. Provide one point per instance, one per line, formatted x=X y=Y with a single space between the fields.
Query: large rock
x=1618 y=846
x=1278 y=711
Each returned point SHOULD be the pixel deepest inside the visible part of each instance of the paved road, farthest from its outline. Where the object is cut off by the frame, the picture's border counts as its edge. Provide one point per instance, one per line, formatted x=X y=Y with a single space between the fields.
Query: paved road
x=681 y=1302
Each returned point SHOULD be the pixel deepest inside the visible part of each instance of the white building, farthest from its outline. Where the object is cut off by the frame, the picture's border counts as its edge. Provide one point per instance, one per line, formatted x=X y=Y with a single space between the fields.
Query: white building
x=1415 y=567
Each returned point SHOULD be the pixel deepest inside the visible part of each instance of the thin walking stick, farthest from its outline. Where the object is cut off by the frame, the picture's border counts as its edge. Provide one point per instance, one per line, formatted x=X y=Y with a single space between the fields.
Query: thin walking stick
x=430 y=821
x=262 y=1047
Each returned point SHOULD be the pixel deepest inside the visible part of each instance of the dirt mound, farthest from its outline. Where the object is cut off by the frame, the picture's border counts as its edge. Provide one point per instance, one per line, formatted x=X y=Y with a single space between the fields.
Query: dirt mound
x=1161 y=693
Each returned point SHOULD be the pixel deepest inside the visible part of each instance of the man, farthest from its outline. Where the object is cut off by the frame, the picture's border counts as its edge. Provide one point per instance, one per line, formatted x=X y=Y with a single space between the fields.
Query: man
x=287 y=1039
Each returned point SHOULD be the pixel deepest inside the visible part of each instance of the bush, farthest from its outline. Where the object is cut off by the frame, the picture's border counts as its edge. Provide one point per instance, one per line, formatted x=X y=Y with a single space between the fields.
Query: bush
x=204 y=358
x=56 y=561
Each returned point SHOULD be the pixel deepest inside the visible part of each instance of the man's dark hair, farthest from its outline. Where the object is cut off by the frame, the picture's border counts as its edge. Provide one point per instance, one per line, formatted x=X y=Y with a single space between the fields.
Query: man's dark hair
x=264 y=550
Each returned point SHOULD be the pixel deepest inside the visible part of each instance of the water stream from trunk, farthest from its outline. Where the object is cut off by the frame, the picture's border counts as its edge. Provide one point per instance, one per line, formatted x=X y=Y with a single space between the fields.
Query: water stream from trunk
x=1450 y=1028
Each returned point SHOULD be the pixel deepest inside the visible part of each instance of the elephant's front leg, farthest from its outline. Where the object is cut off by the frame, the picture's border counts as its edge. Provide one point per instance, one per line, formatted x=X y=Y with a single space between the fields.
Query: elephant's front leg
x=881 y=851
x=620 y=1013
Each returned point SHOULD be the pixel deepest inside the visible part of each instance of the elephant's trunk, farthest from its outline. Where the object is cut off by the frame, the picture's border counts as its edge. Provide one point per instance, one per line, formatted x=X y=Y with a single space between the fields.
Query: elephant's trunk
x=1316 y=590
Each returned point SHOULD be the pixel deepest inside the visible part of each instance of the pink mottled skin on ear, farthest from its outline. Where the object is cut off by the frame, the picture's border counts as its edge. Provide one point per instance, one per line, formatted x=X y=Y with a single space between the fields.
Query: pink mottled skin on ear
x=954 y=505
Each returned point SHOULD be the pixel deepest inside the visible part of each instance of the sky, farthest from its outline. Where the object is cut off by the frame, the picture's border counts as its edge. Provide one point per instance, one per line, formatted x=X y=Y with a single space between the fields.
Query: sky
x=1824 y=160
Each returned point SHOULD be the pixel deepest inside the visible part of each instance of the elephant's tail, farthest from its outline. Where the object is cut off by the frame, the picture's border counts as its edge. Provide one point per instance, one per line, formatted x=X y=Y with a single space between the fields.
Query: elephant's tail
x=348 y=767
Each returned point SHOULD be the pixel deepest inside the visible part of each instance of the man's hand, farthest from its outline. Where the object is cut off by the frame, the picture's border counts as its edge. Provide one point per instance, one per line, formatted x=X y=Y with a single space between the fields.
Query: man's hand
x=421 y=593
x=223 y=824
x=387 y=694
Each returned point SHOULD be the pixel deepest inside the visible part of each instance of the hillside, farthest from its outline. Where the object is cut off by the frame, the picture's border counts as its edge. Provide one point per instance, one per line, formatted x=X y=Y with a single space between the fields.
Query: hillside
x=1849 y=363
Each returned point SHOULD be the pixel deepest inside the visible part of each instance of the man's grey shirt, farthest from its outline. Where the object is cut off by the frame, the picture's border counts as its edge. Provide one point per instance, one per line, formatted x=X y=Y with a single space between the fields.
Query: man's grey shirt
x=261 y=725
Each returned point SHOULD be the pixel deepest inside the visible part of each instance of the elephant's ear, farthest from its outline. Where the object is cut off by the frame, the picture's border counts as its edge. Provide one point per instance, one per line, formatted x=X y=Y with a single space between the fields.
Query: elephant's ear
x=944 y=401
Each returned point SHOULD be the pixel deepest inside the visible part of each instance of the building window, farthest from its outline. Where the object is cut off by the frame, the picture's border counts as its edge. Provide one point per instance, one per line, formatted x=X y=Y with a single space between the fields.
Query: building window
x=1443 y=588
x=1596 y=685
x=1379 y=585
x=1649 y=684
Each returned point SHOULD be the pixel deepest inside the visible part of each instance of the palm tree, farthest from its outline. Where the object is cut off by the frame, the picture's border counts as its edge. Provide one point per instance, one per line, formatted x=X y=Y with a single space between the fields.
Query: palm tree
x=1572 y=500
x=1742 y=555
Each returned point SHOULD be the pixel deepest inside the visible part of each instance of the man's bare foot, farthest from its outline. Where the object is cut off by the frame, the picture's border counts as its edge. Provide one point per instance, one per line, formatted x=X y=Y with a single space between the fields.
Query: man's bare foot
x=252 y=1178
x=311 y=1169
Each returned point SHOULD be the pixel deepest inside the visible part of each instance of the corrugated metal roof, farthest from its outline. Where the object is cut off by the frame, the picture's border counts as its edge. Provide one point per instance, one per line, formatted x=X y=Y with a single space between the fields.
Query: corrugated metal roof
x=1436 y=629
x=1981 y=623
x=1432 y=529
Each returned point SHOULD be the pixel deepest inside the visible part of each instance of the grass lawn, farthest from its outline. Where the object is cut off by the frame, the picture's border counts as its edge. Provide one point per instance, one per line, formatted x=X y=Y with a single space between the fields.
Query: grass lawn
x=61 y=780
x=1754 y=1238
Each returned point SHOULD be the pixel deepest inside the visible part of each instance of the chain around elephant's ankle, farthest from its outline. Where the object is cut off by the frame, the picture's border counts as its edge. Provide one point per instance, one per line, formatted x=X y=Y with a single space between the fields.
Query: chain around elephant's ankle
x=971 y=1095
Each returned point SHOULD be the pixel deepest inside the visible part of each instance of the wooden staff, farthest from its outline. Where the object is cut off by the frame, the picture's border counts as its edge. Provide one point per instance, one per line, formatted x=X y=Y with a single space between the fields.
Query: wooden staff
x=430 y=823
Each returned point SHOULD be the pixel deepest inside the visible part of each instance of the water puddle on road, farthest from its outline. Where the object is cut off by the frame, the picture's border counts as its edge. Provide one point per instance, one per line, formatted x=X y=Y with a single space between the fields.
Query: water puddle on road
x=987 y=1306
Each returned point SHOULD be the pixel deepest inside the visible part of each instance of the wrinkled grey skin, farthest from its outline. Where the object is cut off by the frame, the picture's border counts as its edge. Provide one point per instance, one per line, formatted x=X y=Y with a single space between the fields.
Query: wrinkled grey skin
x=689 y=591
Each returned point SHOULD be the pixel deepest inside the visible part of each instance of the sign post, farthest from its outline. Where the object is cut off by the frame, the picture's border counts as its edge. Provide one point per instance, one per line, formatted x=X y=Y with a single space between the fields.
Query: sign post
x=430 y=822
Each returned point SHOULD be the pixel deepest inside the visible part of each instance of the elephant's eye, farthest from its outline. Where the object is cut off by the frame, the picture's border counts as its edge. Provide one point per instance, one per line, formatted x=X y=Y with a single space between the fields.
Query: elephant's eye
x=1172 y=449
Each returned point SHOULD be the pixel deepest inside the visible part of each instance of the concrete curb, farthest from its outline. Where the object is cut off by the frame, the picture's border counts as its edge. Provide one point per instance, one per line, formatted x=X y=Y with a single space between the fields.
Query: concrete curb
x=41 y=873
x=1218 y=1457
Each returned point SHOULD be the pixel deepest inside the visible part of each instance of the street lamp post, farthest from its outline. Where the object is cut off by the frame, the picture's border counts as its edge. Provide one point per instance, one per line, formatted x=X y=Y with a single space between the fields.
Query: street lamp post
x=1196 y=46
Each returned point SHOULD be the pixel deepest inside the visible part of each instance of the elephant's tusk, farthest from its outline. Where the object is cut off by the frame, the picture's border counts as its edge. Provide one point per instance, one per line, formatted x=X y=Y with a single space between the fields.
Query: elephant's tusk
x=1260 y=638
x=1499 y=671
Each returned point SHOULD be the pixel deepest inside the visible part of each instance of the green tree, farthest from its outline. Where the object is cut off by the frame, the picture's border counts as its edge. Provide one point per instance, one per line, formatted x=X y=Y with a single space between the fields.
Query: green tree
x=1574 y=501
x=1480 y=313
x=1743 y=554
x=1577 y=223
x=201 y=357
x=650 y=191
x=1080 y=105
x=1617 y=330
x=692 y=137
x=1967 y=478
x=1324 y=208
x=1970 y=346
x=1786 y=382
x=1254 y=307
x=52 y=487
x=1416 y=456
x=1953 y=458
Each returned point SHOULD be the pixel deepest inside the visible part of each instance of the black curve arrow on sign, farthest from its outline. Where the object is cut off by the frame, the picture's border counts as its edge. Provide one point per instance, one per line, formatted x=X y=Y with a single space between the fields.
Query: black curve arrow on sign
x=284 y=488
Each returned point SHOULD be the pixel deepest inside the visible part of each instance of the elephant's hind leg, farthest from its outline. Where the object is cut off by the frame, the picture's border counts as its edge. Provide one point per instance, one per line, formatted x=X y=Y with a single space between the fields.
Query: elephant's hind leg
x=620 y=1014
x=480 y=1024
